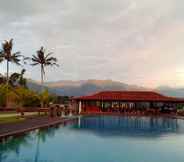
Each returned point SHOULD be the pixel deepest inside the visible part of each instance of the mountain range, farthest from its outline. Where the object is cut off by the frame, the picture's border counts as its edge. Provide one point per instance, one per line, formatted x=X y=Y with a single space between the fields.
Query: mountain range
x=86 y=87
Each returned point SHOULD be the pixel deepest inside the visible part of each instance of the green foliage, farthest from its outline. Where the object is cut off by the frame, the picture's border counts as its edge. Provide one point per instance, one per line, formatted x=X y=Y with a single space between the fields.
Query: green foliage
x=180 y=107
x=22 y=81
x=46 y=98
x=26 y=97
x=13 y=89
x=3 y=94
x=17 y=79
x=62 y=99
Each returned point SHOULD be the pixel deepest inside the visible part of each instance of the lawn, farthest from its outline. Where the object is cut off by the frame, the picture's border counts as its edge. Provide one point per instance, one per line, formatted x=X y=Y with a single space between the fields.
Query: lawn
x=12 y=119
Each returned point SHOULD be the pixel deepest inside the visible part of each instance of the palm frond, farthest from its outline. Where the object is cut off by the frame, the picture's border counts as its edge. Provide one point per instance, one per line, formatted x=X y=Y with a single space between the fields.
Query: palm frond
x=43 y=60
x=15 y=58
x=48 y=55
x=33 y=64
x=36 y=60
x=16 y=62
x=23 y=71
x=35 y=57
x=55 y=64
x=41 y=53
x=1 y=56
x=7 y=46
x=17 y=54
x=51 y=64
x=25 y=59
x=51 y=59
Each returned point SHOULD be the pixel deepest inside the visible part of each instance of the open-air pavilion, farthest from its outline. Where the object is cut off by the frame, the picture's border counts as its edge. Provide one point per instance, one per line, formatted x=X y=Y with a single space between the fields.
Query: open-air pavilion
x=122 y=101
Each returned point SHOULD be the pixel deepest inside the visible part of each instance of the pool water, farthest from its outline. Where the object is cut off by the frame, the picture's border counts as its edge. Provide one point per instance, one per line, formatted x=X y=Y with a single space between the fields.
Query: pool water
x=101 y=139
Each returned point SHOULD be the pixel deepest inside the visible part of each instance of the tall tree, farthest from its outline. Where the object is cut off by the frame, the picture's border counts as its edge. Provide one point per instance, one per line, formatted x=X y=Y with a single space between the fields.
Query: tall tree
x=43 y=60
x=7 y=55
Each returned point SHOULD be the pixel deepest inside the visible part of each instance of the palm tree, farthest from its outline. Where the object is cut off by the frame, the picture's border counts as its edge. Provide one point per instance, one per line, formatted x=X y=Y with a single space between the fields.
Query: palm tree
x=7 y=55
x=42 y=59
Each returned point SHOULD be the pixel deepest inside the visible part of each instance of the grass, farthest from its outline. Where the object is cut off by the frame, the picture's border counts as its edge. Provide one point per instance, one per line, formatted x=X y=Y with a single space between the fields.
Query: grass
x=15 y=117
x=7 y=112
x=12 y=119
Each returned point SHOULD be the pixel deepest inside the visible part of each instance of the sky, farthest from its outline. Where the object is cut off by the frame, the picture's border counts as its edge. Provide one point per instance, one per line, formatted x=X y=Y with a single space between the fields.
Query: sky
x=134 y=41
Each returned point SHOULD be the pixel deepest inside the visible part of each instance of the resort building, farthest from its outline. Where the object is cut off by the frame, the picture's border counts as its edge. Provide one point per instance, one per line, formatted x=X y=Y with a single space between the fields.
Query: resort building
x=122 y=101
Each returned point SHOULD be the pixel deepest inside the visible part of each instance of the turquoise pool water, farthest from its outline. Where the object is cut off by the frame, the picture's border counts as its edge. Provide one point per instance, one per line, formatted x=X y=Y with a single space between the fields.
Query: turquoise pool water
x=101 y=139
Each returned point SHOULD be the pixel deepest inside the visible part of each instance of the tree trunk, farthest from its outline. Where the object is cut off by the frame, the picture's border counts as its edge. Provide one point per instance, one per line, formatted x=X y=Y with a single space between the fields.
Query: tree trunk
x=7 y=82
x=7 y=74
x=42 y=85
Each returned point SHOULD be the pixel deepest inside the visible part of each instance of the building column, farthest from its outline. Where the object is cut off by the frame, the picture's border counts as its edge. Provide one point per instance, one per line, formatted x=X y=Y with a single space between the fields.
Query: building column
x=80 y=107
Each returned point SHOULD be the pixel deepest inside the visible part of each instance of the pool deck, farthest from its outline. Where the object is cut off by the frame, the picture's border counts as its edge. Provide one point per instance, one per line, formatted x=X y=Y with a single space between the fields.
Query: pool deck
x=12 y=129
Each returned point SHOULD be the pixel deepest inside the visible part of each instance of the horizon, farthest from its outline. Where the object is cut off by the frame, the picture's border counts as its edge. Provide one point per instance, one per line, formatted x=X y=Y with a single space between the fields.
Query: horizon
x=135 y=42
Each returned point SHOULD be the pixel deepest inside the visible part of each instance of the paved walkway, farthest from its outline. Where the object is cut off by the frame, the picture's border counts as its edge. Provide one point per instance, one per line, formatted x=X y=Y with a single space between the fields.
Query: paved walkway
x=29 y=124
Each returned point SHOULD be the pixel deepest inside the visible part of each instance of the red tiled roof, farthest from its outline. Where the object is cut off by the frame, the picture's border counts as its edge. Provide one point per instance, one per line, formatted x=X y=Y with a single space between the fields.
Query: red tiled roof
x=129 y=96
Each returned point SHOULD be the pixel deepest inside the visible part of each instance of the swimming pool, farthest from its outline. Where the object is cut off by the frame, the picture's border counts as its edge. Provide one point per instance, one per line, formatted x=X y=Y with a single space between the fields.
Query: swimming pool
x=101 y=139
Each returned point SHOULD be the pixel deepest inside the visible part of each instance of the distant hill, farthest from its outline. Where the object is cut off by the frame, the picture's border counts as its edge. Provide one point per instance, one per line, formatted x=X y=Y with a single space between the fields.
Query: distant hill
x=170 y=91
x=36 y=86
x=82 y=87
x=86 y=87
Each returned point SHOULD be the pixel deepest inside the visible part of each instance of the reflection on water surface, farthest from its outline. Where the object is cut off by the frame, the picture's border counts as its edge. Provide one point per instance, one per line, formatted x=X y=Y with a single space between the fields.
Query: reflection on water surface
x=100 y=139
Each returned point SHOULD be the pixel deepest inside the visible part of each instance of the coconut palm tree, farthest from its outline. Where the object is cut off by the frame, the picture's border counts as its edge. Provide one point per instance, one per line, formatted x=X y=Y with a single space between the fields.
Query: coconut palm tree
x=43 y=60
x=7 y=55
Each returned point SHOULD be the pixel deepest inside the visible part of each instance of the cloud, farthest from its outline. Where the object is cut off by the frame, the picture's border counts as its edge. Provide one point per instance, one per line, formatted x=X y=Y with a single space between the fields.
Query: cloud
x=135 y=41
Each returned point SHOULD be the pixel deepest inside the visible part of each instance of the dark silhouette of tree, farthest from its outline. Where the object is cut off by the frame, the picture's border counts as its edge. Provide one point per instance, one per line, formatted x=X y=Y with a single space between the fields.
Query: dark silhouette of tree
x=22 y=80
x=17 y=79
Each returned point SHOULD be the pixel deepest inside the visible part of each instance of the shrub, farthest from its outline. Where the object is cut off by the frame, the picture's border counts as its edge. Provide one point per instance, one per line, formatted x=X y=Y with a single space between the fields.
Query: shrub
x=46 y=98
x=26 y=97
x=3 y=93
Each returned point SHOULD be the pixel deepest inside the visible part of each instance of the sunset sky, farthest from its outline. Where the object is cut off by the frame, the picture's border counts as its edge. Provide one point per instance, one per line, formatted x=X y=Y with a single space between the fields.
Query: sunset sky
x=134 y=41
